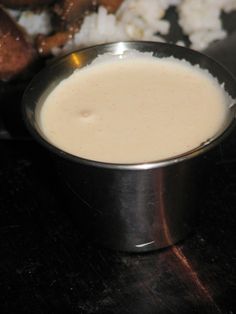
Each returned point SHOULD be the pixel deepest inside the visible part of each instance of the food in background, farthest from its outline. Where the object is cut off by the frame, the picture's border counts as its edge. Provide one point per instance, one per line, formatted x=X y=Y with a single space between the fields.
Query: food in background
x=57 y=27
x=16 y=53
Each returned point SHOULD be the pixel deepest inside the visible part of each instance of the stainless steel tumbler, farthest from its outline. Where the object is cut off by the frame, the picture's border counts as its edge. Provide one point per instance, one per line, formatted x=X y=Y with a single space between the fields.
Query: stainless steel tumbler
x=132 y=207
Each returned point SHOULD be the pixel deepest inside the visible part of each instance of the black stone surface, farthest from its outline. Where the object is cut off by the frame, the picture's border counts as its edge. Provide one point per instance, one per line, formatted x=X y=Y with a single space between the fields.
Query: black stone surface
x=47 y=266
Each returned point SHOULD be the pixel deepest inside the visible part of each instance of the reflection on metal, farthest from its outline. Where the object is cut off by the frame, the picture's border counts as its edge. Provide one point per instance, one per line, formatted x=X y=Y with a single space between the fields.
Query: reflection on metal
x=144 y=244
x=182 y=260
x=193 y=276
x=75 y=60
x=167 y=239
x=120 y=48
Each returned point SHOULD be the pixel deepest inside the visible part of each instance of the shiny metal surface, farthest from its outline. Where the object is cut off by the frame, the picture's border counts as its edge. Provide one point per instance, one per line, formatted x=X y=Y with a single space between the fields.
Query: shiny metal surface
x=137 y=207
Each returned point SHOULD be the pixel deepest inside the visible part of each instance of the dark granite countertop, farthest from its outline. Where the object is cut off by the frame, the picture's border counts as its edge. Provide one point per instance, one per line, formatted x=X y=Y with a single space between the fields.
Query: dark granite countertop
x=47 y=266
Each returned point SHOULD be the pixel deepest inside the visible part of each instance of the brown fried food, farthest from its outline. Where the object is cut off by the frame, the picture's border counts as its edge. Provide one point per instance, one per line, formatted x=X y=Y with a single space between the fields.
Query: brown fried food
x=16 y=53
x=18 y=4
x=45 y=44
x=110 y=5
x=70 y=13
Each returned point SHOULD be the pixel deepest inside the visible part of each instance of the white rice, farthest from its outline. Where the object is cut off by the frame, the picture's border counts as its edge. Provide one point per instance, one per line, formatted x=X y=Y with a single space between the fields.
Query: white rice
x=139 y=20
x=135 y=20
x=144 y=19
x=15 y=14
x=228 y=5
x=35 y=22
x=200 y=20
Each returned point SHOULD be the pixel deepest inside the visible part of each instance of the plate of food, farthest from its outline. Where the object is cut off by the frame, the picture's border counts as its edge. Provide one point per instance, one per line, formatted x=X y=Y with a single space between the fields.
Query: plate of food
x=33 y=32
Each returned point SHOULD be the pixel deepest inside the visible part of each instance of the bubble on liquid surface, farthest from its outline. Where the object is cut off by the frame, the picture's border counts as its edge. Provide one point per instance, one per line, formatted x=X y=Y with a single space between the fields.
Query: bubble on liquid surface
x=85 y=113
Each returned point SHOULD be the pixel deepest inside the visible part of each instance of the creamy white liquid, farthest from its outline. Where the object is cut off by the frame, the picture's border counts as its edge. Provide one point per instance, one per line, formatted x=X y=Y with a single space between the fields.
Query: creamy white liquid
x=134 y=110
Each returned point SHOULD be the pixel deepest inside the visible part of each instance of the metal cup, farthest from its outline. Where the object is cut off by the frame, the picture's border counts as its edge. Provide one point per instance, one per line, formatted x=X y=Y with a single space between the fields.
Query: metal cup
x=132 y=207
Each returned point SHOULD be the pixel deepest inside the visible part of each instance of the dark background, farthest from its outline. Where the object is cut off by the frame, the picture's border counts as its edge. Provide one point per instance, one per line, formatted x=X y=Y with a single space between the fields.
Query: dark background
x=47 y=266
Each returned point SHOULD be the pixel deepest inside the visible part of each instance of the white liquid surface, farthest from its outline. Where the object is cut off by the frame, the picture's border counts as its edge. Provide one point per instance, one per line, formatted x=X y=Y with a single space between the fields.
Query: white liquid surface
x=134 y=110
